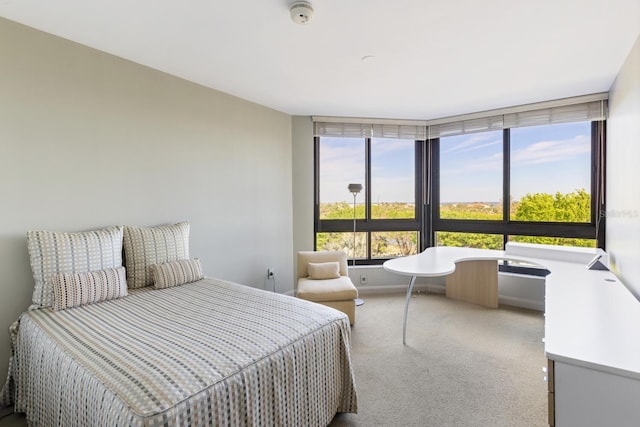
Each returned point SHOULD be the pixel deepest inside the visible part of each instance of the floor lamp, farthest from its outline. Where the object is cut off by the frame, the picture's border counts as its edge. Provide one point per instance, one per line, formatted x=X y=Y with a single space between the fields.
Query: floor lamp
x=355 y=189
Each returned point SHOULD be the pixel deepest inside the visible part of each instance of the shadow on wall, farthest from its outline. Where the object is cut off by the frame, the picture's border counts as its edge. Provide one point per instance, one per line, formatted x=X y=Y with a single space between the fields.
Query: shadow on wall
x=16 y=288
x=17 y=277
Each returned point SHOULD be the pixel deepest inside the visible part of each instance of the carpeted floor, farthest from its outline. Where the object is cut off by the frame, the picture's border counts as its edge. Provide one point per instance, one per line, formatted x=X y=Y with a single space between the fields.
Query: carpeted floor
x=463 y=365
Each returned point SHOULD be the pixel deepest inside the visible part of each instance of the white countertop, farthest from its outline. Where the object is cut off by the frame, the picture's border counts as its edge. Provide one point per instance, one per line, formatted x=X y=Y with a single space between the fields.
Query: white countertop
x=438 y=261
x=591 y=318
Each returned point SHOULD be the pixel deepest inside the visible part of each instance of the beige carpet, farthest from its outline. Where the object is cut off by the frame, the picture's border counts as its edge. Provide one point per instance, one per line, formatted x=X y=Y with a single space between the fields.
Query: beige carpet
x=463 y=365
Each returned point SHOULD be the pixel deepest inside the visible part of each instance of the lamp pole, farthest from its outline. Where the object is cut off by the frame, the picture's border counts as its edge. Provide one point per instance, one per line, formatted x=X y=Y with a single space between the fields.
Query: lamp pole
x=355 y=189
x=354 y=228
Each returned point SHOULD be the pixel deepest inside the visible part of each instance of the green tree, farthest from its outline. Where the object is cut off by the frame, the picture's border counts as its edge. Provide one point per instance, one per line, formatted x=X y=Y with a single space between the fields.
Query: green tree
x=570 y=207
x=469 y=240
x=574 y=207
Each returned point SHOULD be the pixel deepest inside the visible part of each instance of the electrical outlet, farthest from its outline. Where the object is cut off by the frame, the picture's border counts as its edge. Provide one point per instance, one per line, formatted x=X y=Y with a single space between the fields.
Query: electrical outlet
x=269 y=273
x=363 y=279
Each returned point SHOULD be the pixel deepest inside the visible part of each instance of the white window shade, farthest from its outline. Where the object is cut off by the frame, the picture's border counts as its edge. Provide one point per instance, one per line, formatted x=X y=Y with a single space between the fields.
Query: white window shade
x=577 y=109
x=399 y=131
x=344 y=130
x=586 y=112
x=370 y=130
x=466 y=126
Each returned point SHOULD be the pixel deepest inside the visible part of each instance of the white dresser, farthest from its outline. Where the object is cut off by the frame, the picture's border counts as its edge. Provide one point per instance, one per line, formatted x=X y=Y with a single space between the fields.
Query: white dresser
x=592 y=326
x=592 y=341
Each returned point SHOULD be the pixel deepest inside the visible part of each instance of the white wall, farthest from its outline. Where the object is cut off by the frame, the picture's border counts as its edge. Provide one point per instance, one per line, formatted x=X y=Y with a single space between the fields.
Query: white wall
x=623 y=173
x=89 y=140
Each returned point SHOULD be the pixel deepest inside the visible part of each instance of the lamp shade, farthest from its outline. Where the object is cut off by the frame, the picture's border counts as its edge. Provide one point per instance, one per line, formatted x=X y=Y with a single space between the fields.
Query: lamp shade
x=355 y=188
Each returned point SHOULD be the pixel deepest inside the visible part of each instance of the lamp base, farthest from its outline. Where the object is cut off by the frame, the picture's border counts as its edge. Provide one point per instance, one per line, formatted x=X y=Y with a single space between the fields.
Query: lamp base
x=359 y=302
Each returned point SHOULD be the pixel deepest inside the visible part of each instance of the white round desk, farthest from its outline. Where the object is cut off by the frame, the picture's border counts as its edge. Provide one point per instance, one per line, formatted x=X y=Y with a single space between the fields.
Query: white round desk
x=437 y=262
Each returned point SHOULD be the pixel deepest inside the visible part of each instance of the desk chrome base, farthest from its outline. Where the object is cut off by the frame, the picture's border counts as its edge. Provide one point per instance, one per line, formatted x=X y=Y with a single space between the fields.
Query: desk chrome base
x=406 y=309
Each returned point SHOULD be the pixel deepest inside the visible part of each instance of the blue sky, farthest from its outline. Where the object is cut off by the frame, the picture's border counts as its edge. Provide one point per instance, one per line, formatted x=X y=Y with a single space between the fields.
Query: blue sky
x=342 y=162
x=544 y=159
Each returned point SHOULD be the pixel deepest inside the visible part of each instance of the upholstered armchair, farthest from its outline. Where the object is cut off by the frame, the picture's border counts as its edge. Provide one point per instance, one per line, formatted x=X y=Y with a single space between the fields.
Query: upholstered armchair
x=323 y=278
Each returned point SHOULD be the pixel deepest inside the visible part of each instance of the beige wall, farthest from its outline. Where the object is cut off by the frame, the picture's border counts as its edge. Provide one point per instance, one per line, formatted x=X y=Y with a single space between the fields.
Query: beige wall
x=623 y=173
x=89 y=140
x=303 y=186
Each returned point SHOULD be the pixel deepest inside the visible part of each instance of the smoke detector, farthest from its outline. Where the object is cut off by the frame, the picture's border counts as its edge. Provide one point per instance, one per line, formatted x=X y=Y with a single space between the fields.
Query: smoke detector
x=301 y=12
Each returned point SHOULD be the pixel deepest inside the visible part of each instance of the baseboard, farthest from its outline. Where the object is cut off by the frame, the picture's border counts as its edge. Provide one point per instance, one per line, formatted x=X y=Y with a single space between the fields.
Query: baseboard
x=521 y=302
x=440 y=289
x=399 y=289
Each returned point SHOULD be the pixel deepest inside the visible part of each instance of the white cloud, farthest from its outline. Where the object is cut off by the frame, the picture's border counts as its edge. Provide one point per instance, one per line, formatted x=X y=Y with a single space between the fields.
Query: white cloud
x=551 y=151
x=471 y=142
x=342 y=164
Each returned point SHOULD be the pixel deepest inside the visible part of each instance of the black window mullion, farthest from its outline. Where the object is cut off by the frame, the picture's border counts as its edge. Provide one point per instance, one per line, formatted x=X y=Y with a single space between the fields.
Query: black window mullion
x=367 y=187
x=552 y=229
x=422 y=194
x=316 y=189
x=598 y=180
x=428 y=203
x=594 y=170
x=435 y=180
x=506 y=182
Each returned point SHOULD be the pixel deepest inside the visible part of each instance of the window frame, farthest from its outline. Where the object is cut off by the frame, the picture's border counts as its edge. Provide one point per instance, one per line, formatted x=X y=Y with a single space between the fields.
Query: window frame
x=368 y=224
x=592 y=230
x=427 y=201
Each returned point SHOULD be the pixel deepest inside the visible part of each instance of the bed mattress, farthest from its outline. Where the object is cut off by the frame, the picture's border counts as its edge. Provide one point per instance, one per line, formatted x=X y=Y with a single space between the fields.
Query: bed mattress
x=205 y=353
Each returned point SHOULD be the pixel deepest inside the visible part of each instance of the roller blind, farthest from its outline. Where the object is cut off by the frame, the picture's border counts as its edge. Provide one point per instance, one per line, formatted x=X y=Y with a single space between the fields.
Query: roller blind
x=577 y=109
x=460 y=127
x=589 y=111
x=370 y=130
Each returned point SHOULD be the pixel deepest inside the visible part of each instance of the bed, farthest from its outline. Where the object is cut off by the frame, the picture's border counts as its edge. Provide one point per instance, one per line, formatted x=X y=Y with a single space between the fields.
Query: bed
x=207 y=352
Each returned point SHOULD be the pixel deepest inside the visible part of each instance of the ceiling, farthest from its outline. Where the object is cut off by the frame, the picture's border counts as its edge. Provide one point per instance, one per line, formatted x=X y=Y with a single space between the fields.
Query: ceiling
x=431 y=58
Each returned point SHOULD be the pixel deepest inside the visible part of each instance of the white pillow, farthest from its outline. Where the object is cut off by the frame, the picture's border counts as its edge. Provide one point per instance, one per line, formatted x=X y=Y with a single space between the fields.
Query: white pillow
x=323 y=270
x=74 y=289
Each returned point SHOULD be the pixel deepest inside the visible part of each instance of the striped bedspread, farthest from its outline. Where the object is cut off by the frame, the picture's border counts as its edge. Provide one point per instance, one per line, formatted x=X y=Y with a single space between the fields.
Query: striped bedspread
x=205 y=353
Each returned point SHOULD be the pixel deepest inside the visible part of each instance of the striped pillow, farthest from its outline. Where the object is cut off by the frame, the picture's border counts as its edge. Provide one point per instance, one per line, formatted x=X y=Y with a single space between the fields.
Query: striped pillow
x=52 y=252
x=74 y=289
x=144 y=247
x=176 y=273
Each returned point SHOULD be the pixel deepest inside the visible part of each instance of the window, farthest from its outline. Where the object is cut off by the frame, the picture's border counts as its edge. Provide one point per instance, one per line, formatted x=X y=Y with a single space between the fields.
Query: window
x=471 y=176
x=387 y=217
x=392 y=179
x=342 y=161
x=478 y=180
x=469 y=240
x=559 y=241
x=551 y=173
x=543 y=171
x=391 y=244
